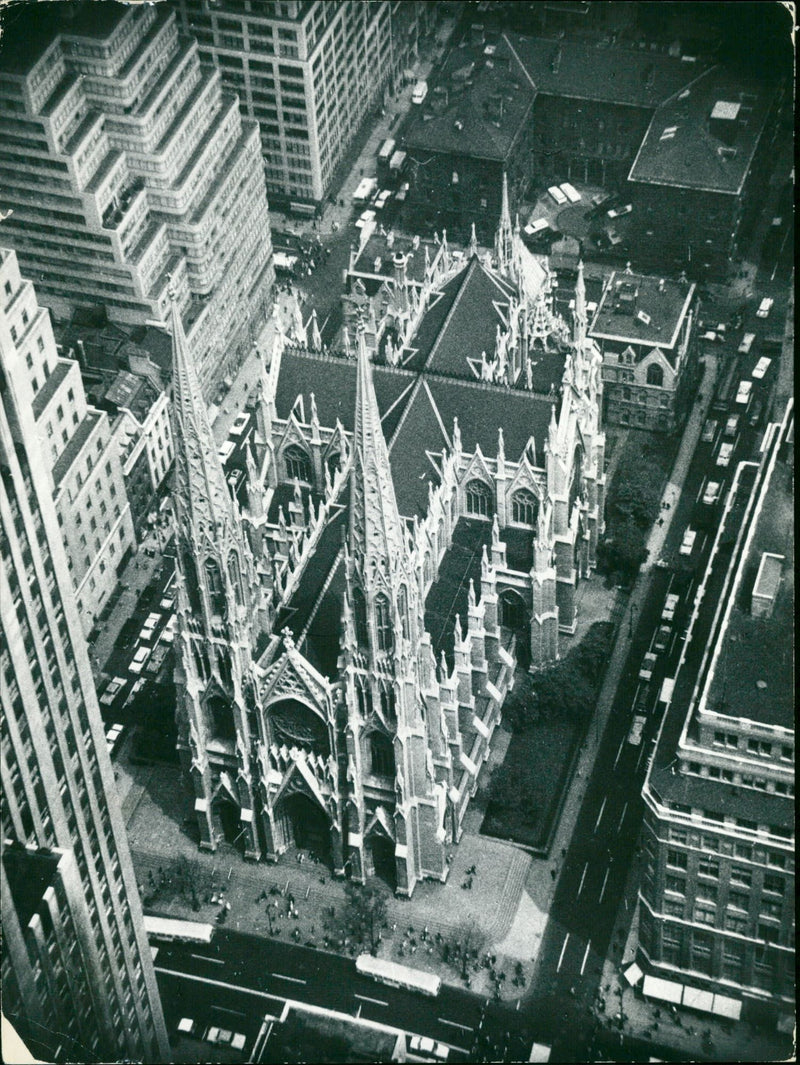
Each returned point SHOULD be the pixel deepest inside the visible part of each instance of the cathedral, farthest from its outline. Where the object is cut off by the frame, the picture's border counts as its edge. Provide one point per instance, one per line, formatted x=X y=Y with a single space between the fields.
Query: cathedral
x=416 y=515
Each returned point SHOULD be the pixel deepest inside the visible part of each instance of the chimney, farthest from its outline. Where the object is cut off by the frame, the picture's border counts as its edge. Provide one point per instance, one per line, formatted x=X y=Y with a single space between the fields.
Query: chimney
x=399 y=262
x=724 y=121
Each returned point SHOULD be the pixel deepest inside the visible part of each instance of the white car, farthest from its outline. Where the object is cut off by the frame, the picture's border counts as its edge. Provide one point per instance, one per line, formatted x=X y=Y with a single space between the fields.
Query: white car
x=422 y=1044
x=225 y=451
x=225 y=1037
x=382 y=199
x=662 y=638
x=539 y=226
x=670 y=604
x=761 y=367
x=570 y=192
x=111 y=692
x=743 y=395
x=731 y=425
x=687 y=544
x=187 y=1026
x=747 y=343
x=709 y=429
x=711 y=494
x=113 y=736
x=637 y=728
x=618 y=212
x=168 y=635
x=364 y=218
x=139 y=659
x=725 y=452
x=555 y=194
x=764 y=307
x=648 y=663
x=167 y=603
x=239 y=425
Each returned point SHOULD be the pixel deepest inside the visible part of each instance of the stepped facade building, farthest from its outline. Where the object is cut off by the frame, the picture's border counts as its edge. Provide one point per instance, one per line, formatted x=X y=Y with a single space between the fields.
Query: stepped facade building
x=349 y=627
x=78 y=978
x=124 y=163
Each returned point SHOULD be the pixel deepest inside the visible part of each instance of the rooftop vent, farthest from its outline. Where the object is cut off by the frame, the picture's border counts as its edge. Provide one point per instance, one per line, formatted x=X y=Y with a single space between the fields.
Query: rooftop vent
x=724 y=120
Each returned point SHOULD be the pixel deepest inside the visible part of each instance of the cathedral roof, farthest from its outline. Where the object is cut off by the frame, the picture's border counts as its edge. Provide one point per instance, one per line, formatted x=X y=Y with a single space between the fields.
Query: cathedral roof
x=449 y=594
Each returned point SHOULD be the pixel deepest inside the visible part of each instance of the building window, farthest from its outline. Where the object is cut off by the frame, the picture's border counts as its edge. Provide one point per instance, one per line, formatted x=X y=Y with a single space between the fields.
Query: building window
x=383 y=623
x=671 y=946
x=708 y=867
x=676 y=884
x=738 y=901
x=743 y=877
x=479 y=499
x=298 y=465
x=524 y=507
x=677 y=859
x=360 y=617
x=381 y=755
x=655 y=375
x=512 y=609
x=774 y=884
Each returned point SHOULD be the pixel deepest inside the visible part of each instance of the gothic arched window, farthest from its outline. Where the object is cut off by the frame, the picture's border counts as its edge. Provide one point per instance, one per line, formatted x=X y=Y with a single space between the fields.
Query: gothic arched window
x=296 y=725
x=381 y=755
x=427 y=570
x=383 y=623
x=388 y=703
x=235 y=577
x=512 y=609
x=298 y=464
x=216 y=593
x=360 y=617
x=220 y=717
x=479 y=499
x=364 y=696
x=655 y=375
x=402 y=609
x=192 y=583
x=524 y=507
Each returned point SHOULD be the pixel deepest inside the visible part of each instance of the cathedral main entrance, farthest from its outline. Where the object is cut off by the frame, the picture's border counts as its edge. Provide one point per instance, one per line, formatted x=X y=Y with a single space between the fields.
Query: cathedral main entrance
x=302 y=823
x=383 y=860
x=227 y=819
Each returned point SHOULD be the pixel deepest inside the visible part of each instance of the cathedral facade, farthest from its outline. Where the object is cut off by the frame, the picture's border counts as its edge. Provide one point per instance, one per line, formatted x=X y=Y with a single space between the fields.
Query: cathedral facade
x=414 y=521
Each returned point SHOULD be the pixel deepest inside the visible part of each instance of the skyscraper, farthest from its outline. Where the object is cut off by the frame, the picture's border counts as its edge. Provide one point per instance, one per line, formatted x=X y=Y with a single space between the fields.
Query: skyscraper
x=76 y=969
x=309 y=72
x=124 y=163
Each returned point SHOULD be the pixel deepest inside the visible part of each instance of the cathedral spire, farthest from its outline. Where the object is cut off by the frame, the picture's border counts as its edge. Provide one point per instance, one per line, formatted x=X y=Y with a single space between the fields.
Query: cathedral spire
x=580 y=306
x=376 y=529
x=473 y=242
x=504 y=240
x=200 y=486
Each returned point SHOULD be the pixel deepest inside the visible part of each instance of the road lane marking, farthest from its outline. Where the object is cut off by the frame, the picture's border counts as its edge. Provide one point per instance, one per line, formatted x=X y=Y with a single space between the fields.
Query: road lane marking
x=223 y=1009
x=602 y=807
x=583 y=877
x=366 y=998
x=455 y=1024
x=605 y=881
x=639 y=759
x=561 y=955
x=585 y=956
x=619 y=752
x=291 y=979
x=622 y=817
x=217 y=983
x=205 y=957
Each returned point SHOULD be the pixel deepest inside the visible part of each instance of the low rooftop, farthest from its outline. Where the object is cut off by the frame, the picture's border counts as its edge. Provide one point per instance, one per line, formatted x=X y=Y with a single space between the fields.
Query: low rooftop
x=639 y=309
x=29 y=873
x=597 y=70
x=381 y=246
x=705 y=136
x=478 y=107
x=29 y=29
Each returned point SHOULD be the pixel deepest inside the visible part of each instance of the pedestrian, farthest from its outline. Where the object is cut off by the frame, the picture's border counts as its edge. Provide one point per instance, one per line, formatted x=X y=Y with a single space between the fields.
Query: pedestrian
x=552 y=874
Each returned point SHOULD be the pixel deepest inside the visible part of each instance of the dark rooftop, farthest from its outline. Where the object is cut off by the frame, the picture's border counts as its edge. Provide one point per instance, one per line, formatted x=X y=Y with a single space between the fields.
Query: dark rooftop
x=67 y=456
x=596 y=70
x=686 y=147
x=378 y=247
x=29 y=874
x=639 y=309
x=29 y=29
x=478 y=107
x=48 y=389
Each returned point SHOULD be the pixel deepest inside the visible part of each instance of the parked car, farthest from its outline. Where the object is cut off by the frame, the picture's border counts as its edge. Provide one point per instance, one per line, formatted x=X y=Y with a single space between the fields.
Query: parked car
x=724 y=456
x=570 y=192
x=731 y=425
x=709 y=429
x=618 y=212
x=187 y=1026
x=555 y=194
x=764 y=307
x=113 y=736
x=646 y=669
x=364 y=218
x=139 y=659
x=113 y=689
x=761 y=367
x=687 y=544
x=225 y=451
x=636 y=730
x=661 y=641
x=743 y=394
x=711 y=494
x=538 y=226
x=239 y=425
x=747 y=343
x=424 y=1045
x=670 y=605
x=225 y=1037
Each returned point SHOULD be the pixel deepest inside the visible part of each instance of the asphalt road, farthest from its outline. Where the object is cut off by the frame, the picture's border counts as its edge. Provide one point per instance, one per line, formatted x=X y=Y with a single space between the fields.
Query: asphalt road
x=242 y=978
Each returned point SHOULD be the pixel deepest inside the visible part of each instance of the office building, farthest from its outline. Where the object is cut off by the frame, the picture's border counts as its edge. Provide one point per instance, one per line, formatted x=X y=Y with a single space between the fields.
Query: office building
x=124 y=163
x=83 y=463
x=66 y=867
x=716 y=905
x=309 y=72
x=645 y=328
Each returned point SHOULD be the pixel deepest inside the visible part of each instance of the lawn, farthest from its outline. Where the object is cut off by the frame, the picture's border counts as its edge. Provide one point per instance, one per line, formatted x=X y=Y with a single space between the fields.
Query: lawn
x=538 y=760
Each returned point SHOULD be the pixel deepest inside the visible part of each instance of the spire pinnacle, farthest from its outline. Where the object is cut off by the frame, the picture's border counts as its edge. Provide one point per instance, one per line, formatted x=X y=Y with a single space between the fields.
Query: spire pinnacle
x=376 y=529
x=473 y=241
x=505 y=233
x=580 y=306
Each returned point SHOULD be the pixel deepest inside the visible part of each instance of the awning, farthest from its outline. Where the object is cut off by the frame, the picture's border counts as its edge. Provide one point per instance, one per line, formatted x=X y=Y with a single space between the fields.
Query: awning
x=727 y=1007
x=696 y=999
x=633 y=974
x=665 y=990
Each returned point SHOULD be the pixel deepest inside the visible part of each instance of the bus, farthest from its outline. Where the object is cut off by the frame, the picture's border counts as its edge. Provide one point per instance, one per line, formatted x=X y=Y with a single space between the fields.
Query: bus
x=171 y=930
x=395 y=975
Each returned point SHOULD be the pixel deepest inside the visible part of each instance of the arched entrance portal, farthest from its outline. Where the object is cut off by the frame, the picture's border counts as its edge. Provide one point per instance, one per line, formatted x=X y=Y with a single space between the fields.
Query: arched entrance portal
x=227 y=819
x=383 y=860
x=303 y=823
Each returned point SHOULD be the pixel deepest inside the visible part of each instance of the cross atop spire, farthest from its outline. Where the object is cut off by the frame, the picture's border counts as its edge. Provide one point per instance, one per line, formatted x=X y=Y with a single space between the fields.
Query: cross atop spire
x=376 y=529
x=504 y=241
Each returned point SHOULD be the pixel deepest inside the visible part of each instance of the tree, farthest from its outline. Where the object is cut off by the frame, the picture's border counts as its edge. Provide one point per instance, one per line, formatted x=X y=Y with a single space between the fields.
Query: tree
x=364 y=913
x=464 y=943
x=594 y=650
